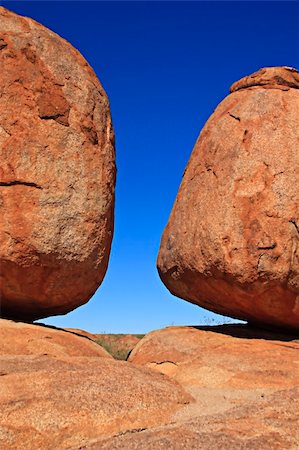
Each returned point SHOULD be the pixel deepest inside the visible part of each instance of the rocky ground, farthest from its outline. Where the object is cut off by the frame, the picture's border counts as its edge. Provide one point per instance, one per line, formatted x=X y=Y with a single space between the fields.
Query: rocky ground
x=225 y=387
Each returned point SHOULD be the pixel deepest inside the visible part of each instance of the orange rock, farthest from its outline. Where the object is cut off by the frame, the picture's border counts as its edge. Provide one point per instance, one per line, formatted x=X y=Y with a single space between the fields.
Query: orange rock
x=269 y=424
x=57 y=173
x=231 y=243
x=244 y=382
x=57 y=392
x=82 y=333
x=17 y=338
x=227 y=357
x=239 y=389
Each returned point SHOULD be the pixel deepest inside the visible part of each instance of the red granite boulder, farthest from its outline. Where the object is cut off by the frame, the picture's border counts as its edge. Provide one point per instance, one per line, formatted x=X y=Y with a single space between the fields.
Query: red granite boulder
x=57 y=173
x=232 y=241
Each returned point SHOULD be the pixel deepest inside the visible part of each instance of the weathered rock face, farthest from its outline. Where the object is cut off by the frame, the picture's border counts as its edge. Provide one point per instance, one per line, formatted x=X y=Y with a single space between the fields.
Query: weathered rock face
x=223 y=387
x=231 y=243
x=59 y=390
x=23 y=339
x=244 y=382
x=236 y=358
x=57 y=173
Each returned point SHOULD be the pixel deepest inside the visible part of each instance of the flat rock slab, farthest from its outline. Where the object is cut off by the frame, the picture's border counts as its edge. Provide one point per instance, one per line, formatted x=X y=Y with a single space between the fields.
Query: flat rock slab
x=268 y=426
x=225 y=357
x=54 y=401
x=225 y=387
x=244 y=382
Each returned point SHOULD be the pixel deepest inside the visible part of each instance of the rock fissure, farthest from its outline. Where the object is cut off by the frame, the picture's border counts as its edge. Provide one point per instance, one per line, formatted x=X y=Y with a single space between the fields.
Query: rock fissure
x=134 y=430
x=267 y=247
x=292 y=347
x=2 y=44
x=213 y=171
x=5 y=130
x=54 y=117
x=295 y=225
x=234 y=117
x=163 y=362
x=20 y=183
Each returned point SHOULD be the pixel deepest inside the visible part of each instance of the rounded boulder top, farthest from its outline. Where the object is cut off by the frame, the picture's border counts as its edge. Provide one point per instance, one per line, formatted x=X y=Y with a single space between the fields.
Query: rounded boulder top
x=57 y=173
x=231 y=244
x=269 y=77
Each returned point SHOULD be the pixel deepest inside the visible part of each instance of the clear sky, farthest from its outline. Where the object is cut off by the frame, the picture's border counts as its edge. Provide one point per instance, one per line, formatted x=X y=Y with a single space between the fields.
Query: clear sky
x=165 y=66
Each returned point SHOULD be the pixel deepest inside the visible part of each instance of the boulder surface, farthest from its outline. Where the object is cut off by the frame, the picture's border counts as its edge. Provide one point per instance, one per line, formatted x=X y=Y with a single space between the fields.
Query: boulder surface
x=244 y=382
x=232 y=241
x=62 y=391
x=57 y=173
x=225 y=387
x=35 y=340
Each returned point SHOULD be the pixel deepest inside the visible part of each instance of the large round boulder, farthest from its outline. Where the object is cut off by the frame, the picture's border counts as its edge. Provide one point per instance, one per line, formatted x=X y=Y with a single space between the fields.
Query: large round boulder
x=232 y=241
x=57 y=173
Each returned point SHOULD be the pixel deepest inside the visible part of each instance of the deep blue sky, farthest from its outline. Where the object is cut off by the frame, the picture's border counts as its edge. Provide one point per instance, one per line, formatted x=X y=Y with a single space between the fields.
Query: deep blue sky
x=165 y=66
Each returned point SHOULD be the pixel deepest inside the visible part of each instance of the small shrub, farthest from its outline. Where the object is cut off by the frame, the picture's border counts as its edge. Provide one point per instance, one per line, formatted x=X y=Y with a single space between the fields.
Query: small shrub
x=116 y=344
